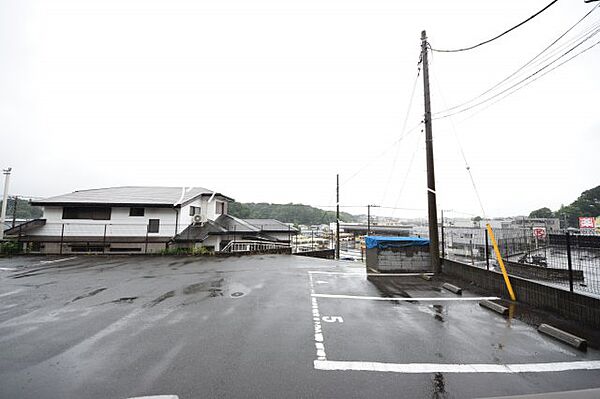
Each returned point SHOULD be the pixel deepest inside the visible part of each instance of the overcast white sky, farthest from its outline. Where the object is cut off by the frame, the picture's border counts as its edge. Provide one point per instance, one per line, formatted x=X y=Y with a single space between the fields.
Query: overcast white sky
x=268 y=100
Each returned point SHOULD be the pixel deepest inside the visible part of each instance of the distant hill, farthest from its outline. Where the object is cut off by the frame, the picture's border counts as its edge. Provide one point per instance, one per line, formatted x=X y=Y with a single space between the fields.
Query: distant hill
x=287 y=213
x=588 y=204
x=24 y=209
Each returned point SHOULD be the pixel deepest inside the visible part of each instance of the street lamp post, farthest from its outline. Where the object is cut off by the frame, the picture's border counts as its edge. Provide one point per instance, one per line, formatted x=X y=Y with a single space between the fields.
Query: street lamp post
x=6 y=173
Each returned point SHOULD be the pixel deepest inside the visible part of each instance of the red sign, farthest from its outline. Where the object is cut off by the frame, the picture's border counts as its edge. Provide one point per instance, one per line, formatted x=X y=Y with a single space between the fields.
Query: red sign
x=587 y=223
x=539 y=232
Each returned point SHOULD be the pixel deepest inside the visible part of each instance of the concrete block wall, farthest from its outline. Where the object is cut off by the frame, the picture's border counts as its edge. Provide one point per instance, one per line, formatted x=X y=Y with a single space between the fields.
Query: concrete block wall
x=567 y=304
x=540 y=272
x=398 y=260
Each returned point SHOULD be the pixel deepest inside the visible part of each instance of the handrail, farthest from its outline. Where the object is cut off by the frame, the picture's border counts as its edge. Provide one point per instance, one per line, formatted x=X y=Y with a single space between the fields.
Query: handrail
x=252 y=245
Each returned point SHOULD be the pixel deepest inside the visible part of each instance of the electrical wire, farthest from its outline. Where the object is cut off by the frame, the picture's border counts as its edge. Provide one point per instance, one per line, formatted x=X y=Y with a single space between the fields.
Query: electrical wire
x=410 y=103
x=378 y=157
x=462 y=152
x=405 y=179
x=372 y=207
x=587 y=30
x=529 y=82
x=526 y=78
x=500 y=35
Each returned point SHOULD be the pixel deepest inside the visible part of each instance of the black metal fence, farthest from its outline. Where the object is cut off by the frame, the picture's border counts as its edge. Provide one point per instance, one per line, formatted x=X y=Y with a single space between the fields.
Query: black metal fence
x=119 y=238
x=570 y=261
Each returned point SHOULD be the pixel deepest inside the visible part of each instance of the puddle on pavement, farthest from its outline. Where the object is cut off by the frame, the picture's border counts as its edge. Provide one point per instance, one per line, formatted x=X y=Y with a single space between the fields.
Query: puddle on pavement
x=214 y=288
x=439 y=387
x=127 y=299
x=89 y=294
x=161 y=298
x=438 y=312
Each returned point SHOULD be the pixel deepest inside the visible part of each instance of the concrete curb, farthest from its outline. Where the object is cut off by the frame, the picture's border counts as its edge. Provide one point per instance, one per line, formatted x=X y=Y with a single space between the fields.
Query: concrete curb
x=452 y=288
x=563 y=336
x=493 y=306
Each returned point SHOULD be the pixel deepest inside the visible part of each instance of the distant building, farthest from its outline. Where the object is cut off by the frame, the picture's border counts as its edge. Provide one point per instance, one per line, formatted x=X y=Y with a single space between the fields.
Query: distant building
x=551 y=224
x=141 y=219
x=385 y=230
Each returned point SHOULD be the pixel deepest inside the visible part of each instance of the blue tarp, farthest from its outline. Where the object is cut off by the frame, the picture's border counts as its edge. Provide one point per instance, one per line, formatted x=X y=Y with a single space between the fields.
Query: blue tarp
x=394 y=242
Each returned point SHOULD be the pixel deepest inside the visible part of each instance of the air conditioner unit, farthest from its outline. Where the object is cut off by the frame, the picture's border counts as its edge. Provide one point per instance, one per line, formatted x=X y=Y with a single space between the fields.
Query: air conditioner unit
x=198 y=219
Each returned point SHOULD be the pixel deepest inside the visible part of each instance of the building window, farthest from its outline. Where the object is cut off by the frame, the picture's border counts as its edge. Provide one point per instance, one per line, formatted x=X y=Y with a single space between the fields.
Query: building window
x=220 y=208
x=194 y=210
x=136 y=211
x=86 y=212
x=153 y=225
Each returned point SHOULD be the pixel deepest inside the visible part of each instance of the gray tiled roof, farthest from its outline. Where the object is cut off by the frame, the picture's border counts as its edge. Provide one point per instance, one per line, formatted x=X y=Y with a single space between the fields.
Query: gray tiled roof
x=227 y=224
x=128 y=195
x=233 y=224
x=270 y=225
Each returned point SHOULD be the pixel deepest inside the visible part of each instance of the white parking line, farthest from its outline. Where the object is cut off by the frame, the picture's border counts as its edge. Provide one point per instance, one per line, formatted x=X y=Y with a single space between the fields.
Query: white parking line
x=45 y=262
x=337 y=273
x=417 y=368
x=319 y=344
x=156 y=397
x=400 y=274
x=377 y=298
x=362 y=274
x=10 y=293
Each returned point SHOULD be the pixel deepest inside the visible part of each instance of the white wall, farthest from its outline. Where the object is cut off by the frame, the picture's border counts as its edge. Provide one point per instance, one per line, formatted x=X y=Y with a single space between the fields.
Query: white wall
x=120 y=223
x=208 y=210
x=213 y=241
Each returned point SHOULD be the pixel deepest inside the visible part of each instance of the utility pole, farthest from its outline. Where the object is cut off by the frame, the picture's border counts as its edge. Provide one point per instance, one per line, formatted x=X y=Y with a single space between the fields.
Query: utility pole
x=443 y=241
x=434 y=244
x=369 y=217
x=16 y=201
x=337 y=218
x=6 y=173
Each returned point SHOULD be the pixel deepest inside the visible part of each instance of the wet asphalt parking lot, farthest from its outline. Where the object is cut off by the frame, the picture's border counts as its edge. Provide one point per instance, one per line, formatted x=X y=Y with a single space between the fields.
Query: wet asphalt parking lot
x=260 y=326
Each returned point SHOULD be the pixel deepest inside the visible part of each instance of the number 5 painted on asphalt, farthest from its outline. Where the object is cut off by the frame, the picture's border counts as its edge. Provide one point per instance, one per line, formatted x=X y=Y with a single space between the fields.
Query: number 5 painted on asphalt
x=333 y=319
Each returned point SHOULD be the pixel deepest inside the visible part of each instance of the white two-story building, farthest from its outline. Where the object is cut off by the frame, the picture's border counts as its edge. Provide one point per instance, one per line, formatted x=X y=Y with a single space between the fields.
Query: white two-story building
x=140 y=220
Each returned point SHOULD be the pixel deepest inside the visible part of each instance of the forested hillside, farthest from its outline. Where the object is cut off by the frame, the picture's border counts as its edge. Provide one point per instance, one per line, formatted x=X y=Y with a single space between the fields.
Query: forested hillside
x=288 y=213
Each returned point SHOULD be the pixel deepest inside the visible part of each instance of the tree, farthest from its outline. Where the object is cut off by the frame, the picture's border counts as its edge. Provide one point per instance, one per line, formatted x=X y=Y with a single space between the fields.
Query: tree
x=544 y=213
x=588 y=204
x=24 y=209
x=288 y=213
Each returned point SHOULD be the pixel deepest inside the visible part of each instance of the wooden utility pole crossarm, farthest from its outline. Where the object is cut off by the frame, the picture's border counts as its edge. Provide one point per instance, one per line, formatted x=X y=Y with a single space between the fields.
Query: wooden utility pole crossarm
x=434 y=244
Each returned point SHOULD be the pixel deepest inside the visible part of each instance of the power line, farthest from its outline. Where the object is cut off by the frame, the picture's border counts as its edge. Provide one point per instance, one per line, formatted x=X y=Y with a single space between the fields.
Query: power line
x=586 y=31
x=364 y=206
x=462 y=152
x=531 y=81
x=500 y=35
x=378 y=157
x=526 y=78
x=412 y=96
x=412 y=159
